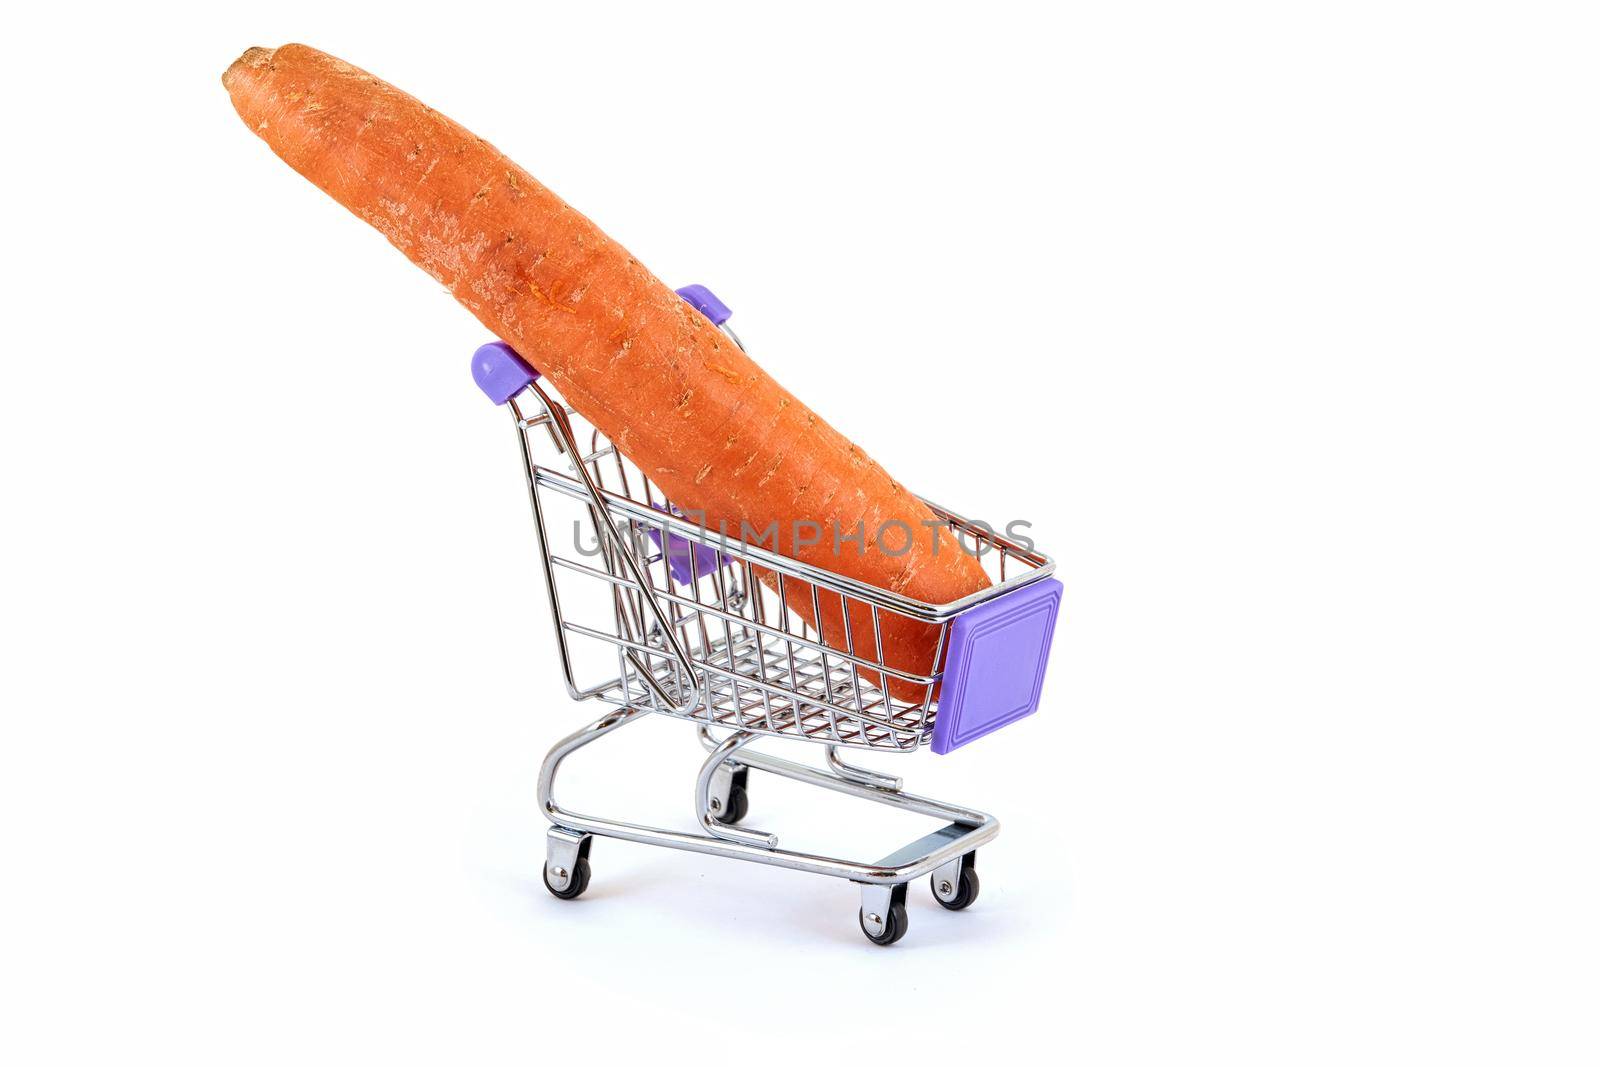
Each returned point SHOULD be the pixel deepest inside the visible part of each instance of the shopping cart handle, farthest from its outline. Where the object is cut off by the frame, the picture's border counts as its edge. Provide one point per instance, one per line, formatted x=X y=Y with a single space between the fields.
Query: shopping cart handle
x=500 y=372
x=705 y=301
x=686 y=560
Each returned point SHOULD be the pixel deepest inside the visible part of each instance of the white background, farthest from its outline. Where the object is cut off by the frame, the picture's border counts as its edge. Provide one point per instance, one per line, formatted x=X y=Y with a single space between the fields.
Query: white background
x=1277 y=320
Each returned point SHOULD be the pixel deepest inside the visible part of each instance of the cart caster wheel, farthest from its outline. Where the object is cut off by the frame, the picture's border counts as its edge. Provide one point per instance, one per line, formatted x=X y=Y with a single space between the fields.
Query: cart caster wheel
x=738 y=805
x=890 y=929
x=569 y=885
x=735 y=803
x=959 y=893
x=883 y=912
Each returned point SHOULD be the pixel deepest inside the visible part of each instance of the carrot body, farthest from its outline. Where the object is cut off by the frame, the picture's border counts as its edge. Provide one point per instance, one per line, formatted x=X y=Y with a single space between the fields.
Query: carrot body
x=710 y=427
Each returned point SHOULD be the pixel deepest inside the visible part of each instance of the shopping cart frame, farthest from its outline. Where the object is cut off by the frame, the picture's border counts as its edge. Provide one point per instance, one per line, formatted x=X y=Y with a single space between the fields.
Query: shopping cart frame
x=667 y=674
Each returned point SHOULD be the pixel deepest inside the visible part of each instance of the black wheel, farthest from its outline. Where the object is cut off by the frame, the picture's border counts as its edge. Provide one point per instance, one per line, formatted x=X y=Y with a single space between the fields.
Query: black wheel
x=965 y=893
x=738 y=805
x=576 y=883
x=894 y=925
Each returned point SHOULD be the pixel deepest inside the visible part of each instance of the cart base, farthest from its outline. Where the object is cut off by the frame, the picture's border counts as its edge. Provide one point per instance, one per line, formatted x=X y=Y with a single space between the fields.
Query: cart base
x=947 y=854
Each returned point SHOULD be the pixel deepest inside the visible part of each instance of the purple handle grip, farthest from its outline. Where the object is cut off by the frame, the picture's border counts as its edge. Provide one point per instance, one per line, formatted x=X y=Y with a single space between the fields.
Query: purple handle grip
x=705 y=301
x=500 y=372
x=687 y=559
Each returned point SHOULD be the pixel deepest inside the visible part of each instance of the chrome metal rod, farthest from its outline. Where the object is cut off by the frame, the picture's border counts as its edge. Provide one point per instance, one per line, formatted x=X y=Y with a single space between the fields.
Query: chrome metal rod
x=862 y=775
x=702 y=797
x=602 y=515
x=969 y=830
x=799 y=772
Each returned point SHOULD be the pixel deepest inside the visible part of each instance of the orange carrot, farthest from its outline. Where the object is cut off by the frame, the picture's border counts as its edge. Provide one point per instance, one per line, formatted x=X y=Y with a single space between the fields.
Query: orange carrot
x=696 y=414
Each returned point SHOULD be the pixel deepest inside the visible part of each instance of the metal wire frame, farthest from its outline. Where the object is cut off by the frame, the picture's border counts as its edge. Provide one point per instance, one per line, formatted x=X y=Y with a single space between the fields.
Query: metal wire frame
x=725 y=647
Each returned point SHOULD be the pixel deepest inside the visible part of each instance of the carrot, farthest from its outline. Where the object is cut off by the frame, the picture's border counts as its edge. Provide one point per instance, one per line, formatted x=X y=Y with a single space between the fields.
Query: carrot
x=697 y=415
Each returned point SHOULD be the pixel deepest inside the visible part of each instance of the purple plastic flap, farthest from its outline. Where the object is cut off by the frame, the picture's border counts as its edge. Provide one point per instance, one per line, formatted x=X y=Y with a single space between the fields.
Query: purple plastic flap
x=681 y=551
x=705 y=301
x=995 y=668
x=500 y=372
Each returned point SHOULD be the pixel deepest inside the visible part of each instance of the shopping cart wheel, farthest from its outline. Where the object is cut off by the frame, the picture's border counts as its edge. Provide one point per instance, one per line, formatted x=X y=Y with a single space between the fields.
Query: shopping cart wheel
x=890 y=928
x=883 y=913
x=738 y=805
x=567 y=885
x=730 y=794
x=955 y=885
x=566 y=865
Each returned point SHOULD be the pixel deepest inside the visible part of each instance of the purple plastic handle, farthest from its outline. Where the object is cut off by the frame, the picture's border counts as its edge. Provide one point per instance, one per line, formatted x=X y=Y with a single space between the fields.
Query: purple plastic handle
x=995 y=669
x=686 y=558
x=705 y=301
x=500 y=372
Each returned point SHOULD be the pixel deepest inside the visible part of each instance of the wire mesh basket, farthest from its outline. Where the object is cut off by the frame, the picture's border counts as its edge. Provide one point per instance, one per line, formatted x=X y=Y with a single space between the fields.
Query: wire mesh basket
x=754 y=662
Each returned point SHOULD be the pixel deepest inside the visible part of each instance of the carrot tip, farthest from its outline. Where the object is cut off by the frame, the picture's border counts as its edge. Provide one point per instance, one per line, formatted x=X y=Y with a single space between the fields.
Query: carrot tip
x=252 y=60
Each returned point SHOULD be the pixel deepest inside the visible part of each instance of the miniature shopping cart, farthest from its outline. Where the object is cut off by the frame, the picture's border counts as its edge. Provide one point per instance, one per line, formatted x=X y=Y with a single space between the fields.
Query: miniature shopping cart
x=655 y=613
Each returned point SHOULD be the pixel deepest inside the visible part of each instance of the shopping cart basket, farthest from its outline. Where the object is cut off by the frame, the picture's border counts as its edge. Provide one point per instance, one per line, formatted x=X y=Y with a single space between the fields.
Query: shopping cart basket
x=675 y=619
